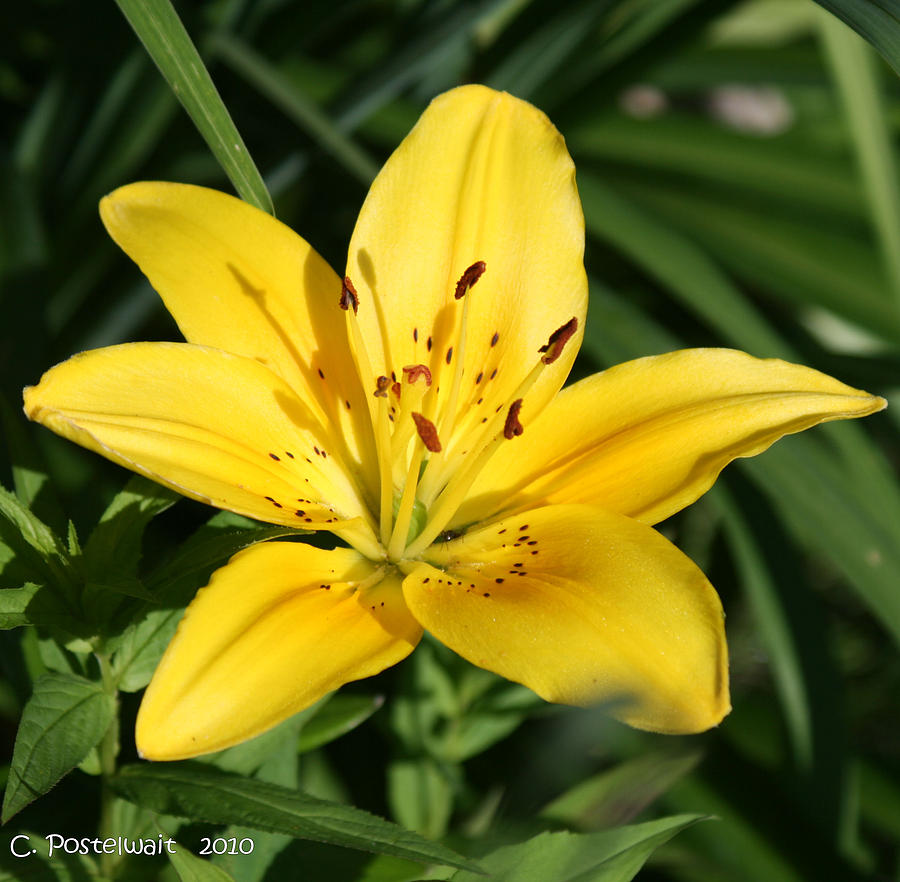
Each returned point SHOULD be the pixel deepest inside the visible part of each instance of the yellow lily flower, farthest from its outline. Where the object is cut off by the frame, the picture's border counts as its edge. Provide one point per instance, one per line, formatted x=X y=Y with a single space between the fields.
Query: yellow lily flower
x=415 y=411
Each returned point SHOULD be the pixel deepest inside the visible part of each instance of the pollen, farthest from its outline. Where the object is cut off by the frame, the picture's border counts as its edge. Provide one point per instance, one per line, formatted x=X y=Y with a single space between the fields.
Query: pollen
x=469 y=278
x=513 y=427
x=382 y=384
x=427 y=432
x=553 y=348
x=349 y=296
x=413 y=372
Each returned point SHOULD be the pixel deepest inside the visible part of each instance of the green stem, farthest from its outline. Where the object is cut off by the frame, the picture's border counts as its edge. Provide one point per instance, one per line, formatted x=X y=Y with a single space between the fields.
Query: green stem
x=109 y=751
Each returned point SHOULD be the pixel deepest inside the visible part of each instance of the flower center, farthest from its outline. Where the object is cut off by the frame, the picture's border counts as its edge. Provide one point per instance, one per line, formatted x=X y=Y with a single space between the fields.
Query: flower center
x=423 y=477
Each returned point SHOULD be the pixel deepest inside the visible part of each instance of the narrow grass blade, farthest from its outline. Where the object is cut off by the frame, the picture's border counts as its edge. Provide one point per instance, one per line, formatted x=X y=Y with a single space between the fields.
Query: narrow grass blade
x=160 y=30
x=854 y=67
x=271 y=84
x=876 y=20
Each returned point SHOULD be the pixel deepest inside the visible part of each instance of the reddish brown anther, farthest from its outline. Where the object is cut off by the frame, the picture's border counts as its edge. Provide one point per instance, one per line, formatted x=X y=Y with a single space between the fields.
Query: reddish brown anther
x=554 y=346
x=427 y=432
x=382 y=384
x=412 y=372
x=396 y=389
x=513 y=427
x=348 y=296
x=469 y=278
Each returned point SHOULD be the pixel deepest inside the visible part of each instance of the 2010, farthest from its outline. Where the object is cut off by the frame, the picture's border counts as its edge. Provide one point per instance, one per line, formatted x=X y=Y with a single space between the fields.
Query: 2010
x=226 y=846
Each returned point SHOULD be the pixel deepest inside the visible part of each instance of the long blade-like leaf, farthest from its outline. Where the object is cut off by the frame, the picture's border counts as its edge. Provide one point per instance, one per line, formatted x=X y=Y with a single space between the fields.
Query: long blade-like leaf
x=160 y=30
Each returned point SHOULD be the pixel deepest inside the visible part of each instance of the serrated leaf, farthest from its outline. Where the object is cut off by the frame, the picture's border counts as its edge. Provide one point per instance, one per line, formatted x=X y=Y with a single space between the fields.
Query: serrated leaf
x=191 y=868
x=160 y=30
x=64 y=718
x=200 y=792
x=340 y=714
x=41 y=553
x=611 y=856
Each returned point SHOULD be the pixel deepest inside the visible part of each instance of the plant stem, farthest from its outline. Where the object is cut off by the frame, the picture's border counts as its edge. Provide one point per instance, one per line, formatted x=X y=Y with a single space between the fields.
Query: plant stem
x=109 y=751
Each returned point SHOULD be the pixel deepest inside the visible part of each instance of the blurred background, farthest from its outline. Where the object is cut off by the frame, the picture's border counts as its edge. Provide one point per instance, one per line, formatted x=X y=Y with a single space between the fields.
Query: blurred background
x=737 y=162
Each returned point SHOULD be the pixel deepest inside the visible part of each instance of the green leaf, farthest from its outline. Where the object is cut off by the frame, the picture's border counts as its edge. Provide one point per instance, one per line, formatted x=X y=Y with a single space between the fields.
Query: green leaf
x=610 y=856
x=784 y=171
x=114 y=546
x=200 y=792
x=800 y=262
x=64 y=718
x=548 y=49
x=823 y=507
x=141 y=644
x=160 y=30
x=34 y=605
x=32 y=531
x=420 y=794
x=854 y=66
x=341 y=714
x=30 y=478
x=270 y=83
x=876 y=20
x=14 y=604
x=41 y=553
x=618 y=795
x=685 y=270
x=191 y=868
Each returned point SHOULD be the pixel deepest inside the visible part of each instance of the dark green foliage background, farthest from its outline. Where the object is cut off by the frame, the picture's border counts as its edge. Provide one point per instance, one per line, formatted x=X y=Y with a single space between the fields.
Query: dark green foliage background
x=783 y=243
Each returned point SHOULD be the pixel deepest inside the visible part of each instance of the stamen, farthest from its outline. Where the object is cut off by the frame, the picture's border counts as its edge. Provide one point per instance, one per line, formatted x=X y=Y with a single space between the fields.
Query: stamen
x=443 y=503
x=558 y=339
x=427 y=432
x=349 y=296
x=411 y=394
x=412 y=372
x=378 y=415
x=469 y=278
x=513 y=428
x=382 y=384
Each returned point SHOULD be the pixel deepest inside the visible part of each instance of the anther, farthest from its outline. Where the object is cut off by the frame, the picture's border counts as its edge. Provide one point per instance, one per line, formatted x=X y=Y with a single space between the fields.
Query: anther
x=382 y=384
x=554 y=346
x=427 y=432
x=513 y=427
x=469 y=278
x=412 y=372
x=348 y=296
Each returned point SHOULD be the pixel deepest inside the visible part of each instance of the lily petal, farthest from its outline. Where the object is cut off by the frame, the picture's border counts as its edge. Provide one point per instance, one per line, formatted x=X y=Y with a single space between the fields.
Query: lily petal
x=214 y=426
x=234 y=278
x=276 y=629
x=484 y=177
x=648 y=437
x=582 y=606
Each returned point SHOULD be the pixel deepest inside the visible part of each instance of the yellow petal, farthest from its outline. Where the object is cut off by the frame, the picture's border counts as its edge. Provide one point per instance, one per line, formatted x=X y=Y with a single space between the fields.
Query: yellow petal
x=605 y=609
x=214 y=426
x=234 y=278
x=278 y=627
x=482 y=177
x=648 y=437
